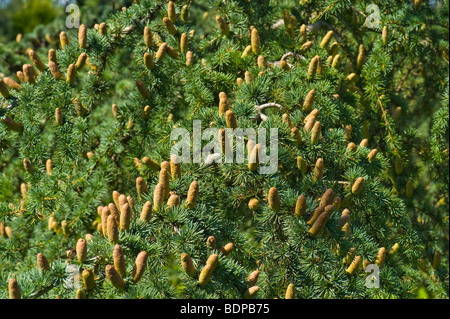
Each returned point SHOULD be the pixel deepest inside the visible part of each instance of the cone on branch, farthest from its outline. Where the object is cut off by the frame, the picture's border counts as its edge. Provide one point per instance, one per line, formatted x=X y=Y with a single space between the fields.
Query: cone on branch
x=81 y=250
x=114 y=277
x=192 y=195
x=42 y=262
x=273 y=199
x=188 y=265
x=139 y=266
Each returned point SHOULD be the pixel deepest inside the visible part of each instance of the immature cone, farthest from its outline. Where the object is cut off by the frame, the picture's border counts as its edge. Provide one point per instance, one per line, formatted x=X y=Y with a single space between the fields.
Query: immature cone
x=80 y=294
x=248 y=77
x=300 y=206
x=171 y=12
x=394 y=249
x=327 y=197
x=82 y=37
x=188 y=265
x=36 y=60
x=253 y=204
x=189 y=58
x=336 y=202
x=164 y=181
x=14 y=289
x=227 y=249
x=125 y=217
x=174 y=200
x=158 y=197
x=284 y=65
x=252 y=279
x=148 y=37
x=42 y=262
x=247 y=51
x=398 y=165
x=172 y=52
x=29 y=73
x=205 y=275
x=211 y=242
x=316 y=132
x=192 y=195
x=255 y=41
x=58 y=116
x=175 y=166
x=335 y=62
x=21 y=76
x=302 y=32
x=261 y=62
x=437 y=257
x=222 y=25
x=112 y=229
x=253 y=161
x=397 y=113
x=4 y=89
x=224 y=103
x=334 y=48
x=151 y=164
x=295 y=133
x=290 y=291
x=54 y=70
x=358 y=186
x=345 y=217
x=286 y=119
x=105 y=214
x=9 y=232
x=301 y=165
x=319 y=69
x=326 y=39
x=11 y=84
x=141 y=187
x=139 y=266
x=114 y=277
x=273 y=199
x=384 y=35
x=81 y=61
x=230 y=119
x=409 y=189
x=63 y=39
x=81 y=249
x=142 y=89
x=102 y=29
x=119 y=260
x=184 y=14
x=239 y=81
x=65 y=228
x=306 y=46
x=250 y=292
x=162 y=50
x=88 y=278
x=183 y=42
x=372 y=155
x=309 y=100
x=354 y=266
x=317 y=212
x=28 y=166
x=169 y=26
x=312 y=69
x=381 y=257
x=361 y=57
x=146 y=213
x=318 y=169
x=71 y=72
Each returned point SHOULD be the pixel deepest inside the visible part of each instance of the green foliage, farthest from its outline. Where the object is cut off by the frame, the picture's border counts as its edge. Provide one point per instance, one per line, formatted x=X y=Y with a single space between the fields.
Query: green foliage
x=403 y=202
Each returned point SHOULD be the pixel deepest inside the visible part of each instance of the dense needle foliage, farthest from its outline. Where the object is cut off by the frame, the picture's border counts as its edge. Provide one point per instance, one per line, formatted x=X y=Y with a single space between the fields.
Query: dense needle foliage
x=362 y=116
